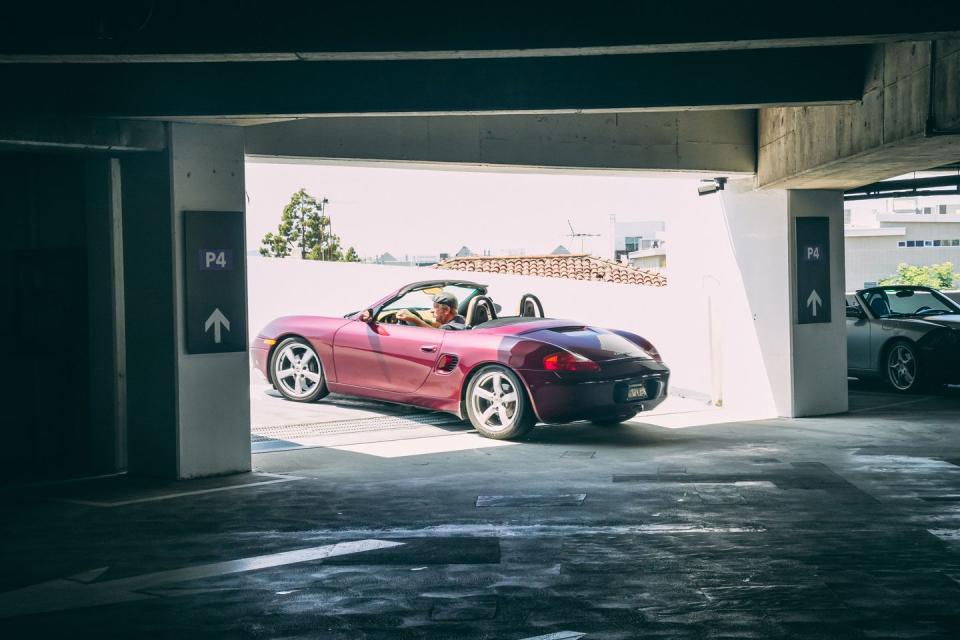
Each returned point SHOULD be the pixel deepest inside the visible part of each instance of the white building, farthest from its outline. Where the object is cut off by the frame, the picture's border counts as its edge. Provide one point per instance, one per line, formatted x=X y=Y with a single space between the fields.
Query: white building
x=640 y=243
x=881 y=234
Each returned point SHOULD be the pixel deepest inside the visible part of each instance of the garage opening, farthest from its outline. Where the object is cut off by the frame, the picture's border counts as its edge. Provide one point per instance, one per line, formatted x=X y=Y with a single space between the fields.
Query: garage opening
x=610 y=250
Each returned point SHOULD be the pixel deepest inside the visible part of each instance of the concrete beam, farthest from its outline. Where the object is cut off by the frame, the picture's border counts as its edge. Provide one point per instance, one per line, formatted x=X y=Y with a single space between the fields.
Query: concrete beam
x=235 y=30
x=908 y=119
x=726 y=79
x=82 y=134
x=713 y=141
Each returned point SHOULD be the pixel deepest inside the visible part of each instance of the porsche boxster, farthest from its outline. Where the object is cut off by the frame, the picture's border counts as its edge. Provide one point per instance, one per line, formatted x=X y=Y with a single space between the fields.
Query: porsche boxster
x=502 y=373
x=907 y=336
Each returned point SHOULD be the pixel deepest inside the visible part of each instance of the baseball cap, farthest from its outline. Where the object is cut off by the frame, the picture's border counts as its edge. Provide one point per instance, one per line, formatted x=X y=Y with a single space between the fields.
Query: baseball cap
x=446 y=298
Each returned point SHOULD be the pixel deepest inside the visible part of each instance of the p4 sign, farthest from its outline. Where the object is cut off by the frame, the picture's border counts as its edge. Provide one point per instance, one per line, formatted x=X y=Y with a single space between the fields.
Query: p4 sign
x=813 y=270
x=216 y=306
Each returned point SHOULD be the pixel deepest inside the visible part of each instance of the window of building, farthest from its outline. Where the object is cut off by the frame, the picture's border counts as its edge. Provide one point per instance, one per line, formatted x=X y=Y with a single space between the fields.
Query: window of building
x=902 y=243
x=943 y=209
x=928 y=243
x=632 y=243
x=911 y=243
x=936 y=243
x=927 y=210
x=955 y=242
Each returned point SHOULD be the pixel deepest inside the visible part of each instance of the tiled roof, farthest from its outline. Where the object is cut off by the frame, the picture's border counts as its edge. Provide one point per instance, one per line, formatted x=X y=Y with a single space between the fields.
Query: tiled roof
x=577 y=266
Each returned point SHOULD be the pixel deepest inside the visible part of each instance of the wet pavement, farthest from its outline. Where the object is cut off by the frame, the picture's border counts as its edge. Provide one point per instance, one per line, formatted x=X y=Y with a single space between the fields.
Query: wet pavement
x=834 y=527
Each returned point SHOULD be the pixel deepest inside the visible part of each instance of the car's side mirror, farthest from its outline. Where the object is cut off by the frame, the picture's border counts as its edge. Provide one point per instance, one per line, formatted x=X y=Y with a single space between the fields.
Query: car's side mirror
x=855 y=312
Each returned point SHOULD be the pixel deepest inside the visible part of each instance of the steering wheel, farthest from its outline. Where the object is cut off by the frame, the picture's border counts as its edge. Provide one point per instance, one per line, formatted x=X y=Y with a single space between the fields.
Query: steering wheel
x=416 y=313
x=923 y=308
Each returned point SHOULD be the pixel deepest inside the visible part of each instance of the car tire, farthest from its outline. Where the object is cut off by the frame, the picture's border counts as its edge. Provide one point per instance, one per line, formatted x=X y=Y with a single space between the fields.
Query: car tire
x=613 y=421
x=901 y=368
x=296 y=371
x=497 y=404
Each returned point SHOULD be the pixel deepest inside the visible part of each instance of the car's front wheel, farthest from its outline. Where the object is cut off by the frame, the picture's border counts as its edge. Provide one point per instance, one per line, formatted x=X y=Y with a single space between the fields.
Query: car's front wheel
x=497 y=404
x=297 y=372
x=902 y=367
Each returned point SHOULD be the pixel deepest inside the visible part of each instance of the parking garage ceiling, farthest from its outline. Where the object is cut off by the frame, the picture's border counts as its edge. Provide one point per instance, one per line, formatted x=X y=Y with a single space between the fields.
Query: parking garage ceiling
x=235 y=59
x=237 y=30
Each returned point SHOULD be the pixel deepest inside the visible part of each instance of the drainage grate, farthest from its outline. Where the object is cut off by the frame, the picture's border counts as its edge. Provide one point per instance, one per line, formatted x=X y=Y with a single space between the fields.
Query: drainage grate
x=357 y=425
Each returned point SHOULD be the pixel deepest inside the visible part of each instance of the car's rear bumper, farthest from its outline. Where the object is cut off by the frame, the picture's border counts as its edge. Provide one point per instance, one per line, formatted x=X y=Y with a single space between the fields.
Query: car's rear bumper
x=568 y=397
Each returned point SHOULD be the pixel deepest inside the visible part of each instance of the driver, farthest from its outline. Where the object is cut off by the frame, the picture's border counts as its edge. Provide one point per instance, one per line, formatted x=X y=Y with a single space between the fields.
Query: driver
x=444 y=312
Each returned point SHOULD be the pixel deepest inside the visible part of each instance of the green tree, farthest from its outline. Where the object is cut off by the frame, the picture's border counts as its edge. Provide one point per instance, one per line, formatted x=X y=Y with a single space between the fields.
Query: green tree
x=938 y=276
x=351 y=255
x=304 y=227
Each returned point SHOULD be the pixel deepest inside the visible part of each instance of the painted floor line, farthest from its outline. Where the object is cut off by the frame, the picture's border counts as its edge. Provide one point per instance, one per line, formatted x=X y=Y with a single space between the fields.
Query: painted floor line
x=180 y=494
x=891 y=404
x=64 y=594
x=534 y=530
x=559 y=635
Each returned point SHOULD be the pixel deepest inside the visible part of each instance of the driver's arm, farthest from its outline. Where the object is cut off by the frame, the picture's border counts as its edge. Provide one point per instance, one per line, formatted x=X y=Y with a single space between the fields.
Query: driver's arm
x=412 y=318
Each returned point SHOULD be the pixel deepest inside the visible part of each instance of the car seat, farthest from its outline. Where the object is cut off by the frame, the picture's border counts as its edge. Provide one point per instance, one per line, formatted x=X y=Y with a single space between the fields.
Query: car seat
x=530 y=306
x=879 y=306
x=481 y=309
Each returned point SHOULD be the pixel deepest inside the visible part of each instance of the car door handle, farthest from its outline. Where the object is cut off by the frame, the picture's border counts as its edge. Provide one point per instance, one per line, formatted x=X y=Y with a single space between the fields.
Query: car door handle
x=428 y=348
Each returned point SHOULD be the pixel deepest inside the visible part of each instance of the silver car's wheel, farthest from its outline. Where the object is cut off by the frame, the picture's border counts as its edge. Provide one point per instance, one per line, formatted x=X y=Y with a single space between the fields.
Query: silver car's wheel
x=902 y=367
x=297 y=372
x=497 y=404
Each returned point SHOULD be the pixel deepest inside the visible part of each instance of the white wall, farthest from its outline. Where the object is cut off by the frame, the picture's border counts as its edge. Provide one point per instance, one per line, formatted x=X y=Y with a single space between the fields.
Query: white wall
x=674 y=320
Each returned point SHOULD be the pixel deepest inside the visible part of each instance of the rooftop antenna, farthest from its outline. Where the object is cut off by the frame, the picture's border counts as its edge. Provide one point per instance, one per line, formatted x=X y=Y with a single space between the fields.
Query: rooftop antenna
x=574 y=234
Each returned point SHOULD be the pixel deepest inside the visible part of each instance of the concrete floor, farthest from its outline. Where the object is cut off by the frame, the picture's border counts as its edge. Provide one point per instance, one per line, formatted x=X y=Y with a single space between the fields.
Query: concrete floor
x=834 y=527
x=390 y=430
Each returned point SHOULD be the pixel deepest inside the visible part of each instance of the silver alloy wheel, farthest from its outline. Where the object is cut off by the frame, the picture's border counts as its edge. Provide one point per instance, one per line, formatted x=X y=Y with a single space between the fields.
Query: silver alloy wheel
x=495 y=401
x=297 y=369
x=901 y=367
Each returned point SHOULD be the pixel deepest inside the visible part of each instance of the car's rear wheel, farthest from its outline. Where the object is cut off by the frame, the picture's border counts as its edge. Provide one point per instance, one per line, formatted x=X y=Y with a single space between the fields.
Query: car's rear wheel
x=612 y=421
x=297 y=372
x=497 y=404
x=901 y=367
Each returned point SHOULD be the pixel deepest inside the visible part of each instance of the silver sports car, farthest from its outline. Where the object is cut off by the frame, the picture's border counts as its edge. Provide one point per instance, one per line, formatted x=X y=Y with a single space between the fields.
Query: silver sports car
x=907 y=336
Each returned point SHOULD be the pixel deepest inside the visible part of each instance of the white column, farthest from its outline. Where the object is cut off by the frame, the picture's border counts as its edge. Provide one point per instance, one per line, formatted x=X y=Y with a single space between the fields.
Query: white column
x=820 y=350
x=769 y=360
x=213 y=389
x=188 y=415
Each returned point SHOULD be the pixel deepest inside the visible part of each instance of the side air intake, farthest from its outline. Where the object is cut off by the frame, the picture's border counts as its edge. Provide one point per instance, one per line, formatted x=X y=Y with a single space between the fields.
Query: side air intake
x=447 y=363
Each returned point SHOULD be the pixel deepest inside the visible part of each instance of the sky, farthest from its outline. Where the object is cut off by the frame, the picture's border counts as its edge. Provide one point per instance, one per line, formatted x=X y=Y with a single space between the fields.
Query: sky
x=418 y=211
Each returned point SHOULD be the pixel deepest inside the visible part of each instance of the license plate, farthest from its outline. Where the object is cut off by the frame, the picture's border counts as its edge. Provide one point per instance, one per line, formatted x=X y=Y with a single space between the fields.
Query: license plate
x=636 y=392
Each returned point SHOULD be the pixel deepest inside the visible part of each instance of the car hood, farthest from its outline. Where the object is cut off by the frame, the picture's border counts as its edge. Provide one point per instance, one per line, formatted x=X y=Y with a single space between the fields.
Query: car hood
x=950 y=321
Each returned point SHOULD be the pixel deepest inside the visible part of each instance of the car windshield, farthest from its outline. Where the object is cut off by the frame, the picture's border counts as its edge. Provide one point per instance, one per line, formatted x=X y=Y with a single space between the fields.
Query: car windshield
x=897 y=302
x=423 y=298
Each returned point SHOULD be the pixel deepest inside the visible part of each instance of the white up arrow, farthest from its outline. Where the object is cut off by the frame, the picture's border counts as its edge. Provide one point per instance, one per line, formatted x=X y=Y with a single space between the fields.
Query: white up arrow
x=812 y=302
x=217 y=320
x=83 y=590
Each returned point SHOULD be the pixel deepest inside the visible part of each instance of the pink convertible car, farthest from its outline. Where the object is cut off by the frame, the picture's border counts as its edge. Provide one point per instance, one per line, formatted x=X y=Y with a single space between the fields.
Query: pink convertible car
x=503 y=373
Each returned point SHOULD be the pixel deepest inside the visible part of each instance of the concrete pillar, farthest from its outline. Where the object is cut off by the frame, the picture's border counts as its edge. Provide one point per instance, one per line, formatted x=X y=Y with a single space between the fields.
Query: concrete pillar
x=108 y=421
x=769 y=358
x=189 y=415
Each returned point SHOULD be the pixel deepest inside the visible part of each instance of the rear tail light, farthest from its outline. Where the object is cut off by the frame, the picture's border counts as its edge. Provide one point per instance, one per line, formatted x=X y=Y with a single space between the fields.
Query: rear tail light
x=566 y=361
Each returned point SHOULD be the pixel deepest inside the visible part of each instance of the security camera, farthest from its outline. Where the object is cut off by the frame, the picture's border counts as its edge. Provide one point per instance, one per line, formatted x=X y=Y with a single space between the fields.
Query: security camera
x=711 y=186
